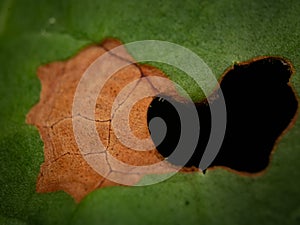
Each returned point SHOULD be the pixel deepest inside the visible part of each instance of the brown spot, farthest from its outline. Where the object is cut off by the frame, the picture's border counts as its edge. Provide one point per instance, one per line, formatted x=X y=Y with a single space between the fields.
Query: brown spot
x=65 y=167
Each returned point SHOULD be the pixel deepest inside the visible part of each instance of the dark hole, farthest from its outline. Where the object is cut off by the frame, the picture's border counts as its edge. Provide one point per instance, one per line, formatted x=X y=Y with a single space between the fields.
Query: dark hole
x=260 y=105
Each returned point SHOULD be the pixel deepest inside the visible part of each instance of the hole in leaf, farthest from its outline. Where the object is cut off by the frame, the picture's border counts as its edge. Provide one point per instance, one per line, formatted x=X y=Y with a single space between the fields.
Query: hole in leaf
x=260 y=105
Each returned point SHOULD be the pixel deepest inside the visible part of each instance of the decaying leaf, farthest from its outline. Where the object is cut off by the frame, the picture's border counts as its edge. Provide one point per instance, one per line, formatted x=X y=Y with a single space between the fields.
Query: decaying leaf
x=65 y=167
x=77 y=167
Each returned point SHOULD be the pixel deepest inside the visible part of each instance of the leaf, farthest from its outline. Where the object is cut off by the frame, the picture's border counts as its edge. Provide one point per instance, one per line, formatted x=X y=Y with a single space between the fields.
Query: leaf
x=220 y=32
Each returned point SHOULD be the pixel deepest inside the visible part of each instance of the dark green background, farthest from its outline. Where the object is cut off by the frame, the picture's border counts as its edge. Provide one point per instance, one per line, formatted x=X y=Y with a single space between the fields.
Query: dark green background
x=220 y=32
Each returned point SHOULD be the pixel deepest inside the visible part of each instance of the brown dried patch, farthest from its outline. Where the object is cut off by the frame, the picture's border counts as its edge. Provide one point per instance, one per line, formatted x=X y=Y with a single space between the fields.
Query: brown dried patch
x=64 y=167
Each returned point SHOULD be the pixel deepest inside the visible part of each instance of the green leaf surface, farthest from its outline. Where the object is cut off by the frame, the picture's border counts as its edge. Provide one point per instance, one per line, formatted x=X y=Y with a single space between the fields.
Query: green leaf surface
x=221 y=32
